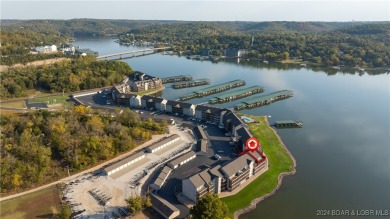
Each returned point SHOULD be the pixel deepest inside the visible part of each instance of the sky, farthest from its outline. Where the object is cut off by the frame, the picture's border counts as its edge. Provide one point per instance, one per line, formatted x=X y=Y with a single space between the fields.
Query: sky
x=255 y=10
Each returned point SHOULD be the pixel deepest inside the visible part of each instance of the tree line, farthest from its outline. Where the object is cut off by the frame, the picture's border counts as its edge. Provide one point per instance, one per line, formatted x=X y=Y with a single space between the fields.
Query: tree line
x=17 y=44
x=38 y=147
x=365 y=45
x=68 y=76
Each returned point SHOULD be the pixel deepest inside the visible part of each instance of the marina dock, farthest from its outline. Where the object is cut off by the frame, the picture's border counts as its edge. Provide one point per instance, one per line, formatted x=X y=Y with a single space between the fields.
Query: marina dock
x=194 y=83
x=288 y=124
x=264 y=99
x=214 y=89
x=234 y=95
x=176 y=79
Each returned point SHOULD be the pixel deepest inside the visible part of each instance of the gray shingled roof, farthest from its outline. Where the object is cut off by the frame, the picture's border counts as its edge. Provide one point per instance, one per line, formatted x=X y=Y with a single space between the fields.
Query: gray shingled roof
x=236 y=165
x=163 y=205
x=200 y=134
x=201 y=145
x=182 y=158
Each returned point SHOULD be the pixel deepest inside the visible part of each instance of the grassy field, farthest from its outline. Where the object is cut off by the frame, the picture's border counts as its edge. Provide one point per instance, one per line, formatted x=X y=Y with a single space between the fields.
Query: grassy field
x=16 y=104
x=58 y=99
x=41 y=204
x=279 y=162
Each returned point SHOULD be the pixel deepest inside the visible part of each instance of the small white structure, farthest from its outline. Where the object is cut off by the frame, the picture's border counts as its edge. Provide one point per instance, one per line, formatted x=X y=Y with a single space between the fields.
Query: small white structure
x=182 y=160
x=46 y=49
x=135 y=101
x=163 y=143
x=124 y=163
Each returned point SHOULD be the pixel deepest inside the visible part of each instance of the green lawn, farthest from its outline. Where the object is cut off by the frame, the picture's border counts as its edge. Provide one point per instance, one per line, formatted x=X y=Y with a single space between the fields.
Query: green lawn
x=279 y=162
x=58 y=99
x=40 y=204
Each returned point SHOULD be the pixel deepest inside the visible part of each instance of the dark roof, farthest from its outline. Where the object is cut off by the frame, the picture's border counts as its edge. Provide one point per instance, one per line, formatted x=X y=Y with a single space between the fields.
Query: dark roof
x=200 y=134
x=216 y=171
x=208 y=109
x=201 y=145
x=179 y=104
x=127 y=96
x=152 y=99
x=182 y=158
x=243 y=134
x=163 y=205
x=233 y=118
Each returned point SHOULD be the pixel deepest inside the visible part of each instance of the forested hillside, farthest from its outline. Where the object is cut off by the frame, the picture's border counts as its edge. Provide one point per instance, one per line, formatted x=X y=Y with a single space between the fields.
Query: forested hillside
x=78 y=74
x=38 y=147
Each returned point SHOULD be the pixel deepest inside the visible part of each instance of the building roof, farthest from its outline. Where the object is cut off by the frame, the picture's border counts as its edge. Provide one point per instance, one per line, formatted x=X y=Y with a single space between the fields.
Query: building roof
x=233 y=119
x=199 y=132
x=123 y=161
x=166 y=170
x=152 y=99
x=262 y=98
x=219 y=86
x=238 y=92
x=182 y=158
x=192 y=81
x=125 y=96
x=243 y=134
x=178 y=104
x=178 y=76
x=236 y=165
x=163 y=206
x=208 y=109
x=216 y=171
x=201 y=179
x=163 y=141
x=202 y=145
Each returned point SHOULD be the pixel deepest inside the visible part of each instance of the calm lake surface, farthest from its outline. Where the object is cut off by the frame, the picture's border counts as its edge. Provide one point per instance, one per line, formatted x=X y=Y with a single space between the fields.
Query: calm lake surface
x=343 y=150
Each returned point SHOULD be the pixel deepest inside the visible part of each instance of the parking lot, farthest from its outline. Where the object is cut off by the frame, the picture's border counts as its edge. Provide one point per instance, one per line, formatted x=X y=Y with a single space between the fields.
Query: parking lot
x=95 y=195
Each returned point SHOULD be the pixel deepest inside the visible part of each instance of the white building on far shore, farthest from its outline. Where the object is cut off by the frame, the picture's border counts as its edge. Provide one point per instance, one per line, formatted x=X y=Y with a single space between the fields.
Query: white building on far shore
x=46 y=49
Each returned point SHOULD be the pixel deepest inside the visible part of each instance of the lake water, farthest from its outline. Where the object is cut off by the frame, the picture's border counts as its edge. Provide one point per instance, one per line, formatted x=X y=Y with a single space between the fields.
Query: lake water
x=343 y=150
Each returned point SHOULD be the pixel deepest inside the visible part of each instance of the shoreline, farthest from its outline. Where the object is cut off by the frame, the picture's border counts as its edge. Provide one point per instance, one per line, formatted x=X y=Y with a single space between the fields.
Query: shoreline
x=256 y=201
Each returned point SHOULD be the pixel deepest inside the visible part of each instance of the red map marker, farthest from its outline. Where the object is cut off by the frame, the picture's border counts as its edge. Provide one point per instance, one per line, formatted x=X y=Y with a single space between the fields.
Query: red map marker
x=252 y=144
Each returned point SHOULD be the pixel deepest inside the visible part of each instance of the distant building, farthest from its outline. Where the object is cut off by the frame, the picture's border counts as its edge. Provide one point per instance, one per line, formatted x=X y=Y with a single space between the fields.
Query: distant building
x=163 y=143
x=205 y=52
x=142 y=82
x=235 y=53
x=46 y=49
x=208 y=113
x=180 y=108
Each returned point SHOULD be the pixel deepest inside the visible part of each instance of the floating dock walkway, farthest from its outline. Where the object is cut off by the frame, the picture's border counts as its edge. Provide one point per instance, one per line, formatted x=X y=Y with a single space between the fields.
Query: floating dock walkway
x=234 y=95
x=264 y=99
x=288 y=124
x=176 y=79
x=194 y=83
x=213 y=89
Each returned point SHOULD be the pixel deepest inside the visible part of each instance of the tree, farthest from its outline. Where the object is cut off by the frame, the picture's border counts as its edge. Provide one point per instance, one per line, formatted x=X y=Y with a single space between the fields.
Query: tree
x=65 y=212
x=209 y=207
x=138 y=203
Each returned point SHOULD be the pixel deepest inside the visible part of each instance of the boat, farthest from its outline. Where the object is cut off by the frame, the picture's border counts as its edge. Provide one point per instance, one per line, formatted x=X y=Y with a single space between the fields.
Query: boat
x=288 y=124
